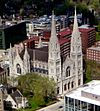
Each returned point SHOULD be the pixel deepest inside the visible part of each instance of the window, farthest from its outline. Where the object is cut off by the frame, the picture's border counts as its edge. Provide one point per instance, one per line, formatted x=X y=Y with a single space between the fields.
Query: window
x=18 y=68
x=65 y=88
x=78 y=48
x=57 y=90
x=39 y=65
x=69 y=85
x=57 y=54
x=72 y=84
x=79 y=82
x=68 y=71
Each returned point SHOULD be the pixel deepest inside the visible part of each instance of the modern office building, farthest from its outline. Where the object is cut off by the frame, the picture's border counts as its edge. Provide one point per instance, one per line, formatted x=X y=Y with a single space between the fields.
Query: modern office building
x=84 y=98
x=12 y=34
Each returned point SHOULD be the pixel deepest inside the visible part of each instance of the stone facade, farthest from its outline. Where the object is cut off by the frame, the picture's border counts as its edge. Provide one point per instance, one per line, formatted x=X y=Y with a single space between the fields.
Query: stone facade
x=67 y=72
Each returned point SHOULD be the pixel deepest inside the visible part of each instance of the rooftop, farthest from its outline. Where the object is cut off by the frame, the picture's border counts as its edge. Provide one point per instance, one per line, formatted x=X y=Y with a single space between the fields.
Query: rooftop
x=95 y=48
x=91 y=87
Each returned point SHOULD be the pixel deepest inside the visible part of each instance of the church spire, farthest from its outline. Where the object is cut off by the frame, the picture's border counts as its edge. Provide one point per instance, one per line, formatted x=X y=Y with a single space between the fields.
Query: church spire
x=26 y=52
x=75 y=39
x=54 y=69
x=53 y=30
x=26 y=60
x=75 y=26
x=76 y=53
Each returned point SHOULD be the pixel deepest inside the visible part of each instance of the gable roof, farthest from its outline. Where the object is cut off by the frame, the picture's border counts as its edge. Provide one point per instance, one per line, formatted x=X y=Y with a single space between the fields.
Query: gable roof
x=40 y=54
x=17 y=96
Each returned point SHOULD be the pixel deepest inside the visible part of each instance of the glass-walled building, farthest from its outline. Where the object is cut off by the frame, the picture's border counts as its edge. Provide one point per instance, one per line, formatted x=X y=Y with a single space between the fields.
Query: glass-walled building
x=85 y=98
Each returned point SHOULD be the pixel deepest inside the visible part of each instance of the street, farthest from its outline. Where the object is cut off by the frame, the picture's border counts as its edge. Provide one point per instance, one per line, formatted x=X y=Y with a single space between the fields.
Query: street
x=54 y=107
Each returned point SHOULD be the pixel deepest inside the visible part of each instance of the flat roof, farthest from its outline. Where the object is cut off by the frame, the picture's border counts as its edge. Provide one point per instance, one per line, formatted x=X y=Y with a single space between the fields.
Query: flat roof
x=92 y=87
x=95 y=48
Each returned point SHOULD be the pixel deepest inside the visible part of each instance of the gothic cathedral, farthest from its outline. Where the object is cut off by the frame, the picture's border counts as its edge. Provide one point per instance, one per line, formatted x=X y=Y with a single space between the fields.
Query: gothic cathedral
x=68 y=74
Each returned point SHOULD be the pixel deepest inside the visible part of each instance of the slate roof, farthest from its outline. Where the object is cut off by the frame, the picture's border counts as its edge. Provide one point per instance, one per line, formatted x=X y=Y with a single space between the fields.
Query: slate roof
x=17 y=96
x=40 y=54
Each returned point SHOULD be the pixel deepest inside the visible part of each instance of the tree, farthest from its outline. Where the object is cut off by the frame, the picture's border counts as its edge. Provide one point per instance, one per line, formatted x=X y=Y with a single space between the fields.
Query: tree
x=39 y=89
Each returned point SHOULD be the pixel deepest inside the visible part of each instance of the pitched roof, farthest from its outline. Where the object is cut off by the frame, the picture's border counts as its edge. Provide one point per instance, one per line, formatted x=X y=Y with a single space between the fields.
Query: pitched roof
x=64 y=40
x=17 y=96
x=40 y=54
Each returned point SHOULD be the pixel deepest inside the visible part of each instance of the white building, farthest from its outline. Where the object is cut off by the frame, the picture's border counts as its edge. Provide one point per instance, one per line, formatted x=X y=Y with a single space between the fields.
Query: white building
x=84 y=98
x=67 y=72
x=16 y=100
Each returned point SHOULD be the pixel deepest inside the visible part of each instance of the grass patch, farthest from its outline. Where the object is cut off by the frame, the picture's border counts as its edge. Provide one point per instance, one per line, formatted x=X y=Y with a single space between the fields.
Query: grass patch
x=92 y=70
x=97 y=36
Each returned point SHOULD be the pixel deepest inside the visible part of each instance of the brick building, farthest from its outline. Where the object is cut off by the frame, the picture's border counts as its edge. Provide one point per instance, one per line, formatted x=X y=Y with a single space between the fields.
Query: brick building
x=93 y=53
x=88 y=37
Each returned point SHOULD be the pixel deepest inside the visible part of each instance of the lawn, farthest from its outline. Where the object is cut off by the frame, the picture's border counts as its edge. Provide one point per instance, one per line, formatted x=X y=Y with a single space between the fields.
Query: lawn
x=92 y=70
x=97 y=36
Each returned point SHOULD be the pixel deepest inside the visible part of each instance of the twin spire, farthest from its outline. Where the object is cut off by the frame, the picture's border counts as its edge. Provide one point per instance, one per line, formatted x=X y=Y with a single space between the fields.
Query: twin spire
x=53 y=27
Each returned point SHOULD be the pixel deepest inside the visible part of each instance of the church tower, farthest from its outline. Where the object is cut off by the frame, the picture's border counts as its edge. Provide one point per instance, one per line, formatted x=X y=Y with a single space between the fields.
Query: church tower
x=10 y=60
x=76 y=54
x=26 y=60
x=54 y=58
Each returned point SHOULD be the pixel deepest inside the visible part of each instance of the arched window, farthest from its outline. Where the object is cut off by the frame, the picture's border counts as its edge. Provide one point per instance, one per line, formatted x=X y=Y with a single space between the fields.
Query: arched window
x=68 y=71
x=68 y=85
x=79 y=82
x=65 y=88
x=18 y=68
x=72 y=84
x=57 y=90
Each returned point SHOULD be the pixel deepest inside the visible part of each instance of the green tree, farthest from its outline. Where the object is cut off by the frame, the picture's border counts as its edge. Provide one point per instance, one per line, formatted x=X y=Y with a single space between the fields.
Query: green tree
x=39 y=89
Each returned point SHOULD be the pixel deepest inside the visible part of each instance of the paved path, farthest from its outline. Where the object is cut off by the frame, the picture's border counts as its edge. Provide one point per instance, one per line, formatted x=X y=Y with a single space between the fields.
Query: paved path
x=54 y=107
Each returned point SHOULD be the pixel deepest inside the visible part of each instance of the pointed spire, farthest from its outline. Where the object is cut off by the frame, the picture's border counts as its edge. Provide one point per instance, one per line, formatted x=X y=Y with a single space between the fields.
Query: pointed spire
x=26 y=52
x=75 y=26
x=10 y=46
x=53 y=27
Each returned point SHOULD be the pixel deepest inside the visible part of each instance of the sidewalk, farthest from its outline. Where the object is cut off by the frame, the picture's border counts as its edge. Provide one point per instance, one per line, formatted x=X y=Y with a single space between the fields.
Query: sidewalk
x=54 y=107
